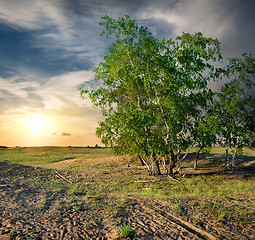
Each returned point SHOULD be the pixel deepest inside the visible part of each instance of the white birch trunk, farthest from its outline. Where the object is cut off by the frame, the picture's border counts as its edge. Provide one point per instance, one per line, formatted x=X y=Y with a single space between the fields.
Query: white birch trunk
x=164 y=165
x=147 y=165
x=233 y=153
x=228 y=160
x=185 y=155
x=152 y=164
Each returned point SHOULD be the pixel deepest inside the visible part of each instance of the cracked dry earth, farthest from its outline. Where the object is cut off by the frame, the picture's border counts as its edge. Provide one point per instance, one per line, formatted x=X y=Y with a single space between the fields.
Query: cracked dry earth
x=30 y=209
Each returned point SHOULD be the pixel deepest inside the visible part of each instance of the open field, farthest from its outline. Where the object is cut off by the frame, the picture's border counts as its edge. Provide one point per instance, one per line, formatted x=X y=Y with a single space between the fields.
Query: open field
x=87 y=193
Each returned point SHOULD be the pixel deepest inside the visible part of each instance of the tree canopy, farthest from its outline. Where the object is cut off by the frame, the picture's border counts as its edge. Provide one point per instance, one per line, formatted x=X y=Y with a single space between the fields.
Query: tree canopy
x=155 y=97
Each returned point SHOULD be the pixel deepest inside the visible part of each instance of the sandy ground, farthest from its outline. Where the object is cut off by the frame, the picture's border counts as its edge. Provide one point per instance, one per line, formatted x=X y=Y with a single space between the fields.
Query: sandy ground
x=29 y=210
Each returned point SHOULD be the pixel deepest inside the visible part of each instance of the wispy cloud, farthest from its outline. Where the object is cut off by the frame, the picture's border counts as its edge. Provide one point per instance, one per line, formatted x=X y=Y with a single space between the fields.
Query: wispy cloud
x=13 y=86
x=65 y=34
x=73 y=29
x=53 y=133
x=64 y=134
x=36 y=14
x=55 y=92
x=15 y=93
x=62 y=90
x=57 y=28
x=59 y=94
x=214 y=18
x=189 y=16
x=57 y=99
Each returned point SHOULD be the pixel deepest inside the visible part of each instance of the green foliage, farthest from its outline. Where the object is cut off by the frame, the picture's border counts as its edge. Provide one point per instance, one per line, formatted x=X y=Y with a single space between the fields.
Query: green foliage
x=125 y=230
x=155 y=93
x=234 y=107
x=155 y=97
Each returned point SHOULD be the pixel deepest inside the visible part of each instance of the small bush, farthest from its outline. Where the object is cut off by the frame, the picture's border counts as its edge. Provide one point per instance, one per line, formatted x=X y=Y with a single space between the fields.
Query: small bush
x=125 y=230
x=181 y=209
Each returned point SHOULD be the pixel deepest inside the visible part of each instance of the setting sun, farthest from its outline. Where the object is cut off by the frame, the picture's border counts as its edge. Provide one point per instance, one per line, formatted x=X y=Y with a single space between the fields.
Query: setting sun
x=37 y=124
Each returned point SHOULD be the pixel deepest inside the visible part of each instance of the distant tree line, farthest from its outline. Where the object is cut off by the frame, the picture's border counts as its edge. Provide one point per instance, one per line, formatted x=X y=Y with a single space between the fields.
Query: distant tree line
x=156 y=100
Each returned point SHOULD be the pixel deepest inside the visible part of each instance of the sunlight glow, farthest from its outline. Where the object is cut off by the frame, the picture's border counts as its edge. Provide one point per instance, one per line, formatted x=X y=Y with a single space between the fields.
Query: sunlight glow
x=37 y=124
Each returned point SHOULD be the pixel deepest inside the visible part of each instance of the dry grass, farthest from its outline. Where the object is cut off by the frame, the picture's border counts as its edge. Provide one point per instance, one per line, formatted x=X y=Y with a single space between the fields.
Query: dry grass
x=95 y=182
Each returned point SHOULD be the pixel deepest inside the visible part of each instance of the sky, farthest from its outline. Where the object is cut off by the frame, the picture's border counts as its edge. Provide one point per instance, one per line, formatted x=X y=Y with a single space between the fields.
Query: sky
x=49 y=48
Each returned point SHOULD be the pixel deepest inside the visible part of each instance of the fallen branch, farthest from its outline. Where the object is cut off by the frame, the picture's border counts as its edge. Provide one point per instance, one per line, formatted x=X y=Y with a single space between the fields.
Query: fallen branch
x=187 y=225
x=173 y=178
x=145 y=181
x=62 y=177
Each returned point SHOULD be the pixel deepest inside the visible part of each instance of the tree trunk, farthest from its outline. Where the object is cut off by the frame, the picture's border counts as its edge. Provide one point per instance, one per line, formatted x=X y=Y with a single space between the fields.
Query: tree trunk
x=155 y=164
x=178 y=159
x=197 y=157
x=128 y=163
x=233 y=153
x=195 y=162
x=147 y=165
x=164 y=165
x=227 y=157
x=141 y=160
x=152 y=165
x=184 y=156
x=172 y=162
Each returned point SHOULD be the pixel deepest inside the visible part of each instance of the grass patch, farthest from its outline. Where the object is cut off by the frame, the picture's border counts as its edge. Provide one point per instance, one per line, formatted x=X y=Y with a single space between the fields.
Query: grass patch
x=50 y=185
x=78 y=189
x=125 y=230
x=227 y=199
x=222 y=150
x=48 y=155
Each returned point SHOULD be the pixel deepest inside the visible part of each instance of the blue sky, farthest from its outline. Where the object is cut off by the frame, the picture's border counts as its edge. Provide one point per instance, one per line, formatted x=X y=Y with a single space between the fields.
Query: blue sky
x=49 y=48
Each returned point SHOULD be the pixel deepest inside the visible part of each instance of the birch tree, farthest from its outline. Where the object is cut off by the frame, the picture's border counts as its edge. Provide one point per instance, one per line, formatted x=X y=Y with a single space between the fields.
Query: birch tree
x=235 y=107
x=153 y=90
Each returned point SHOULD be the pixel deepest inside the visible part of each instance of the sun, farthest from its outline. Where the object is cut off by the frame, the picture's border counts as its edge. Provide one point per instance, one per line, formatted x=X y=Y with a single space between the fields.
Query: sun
x=37 y=124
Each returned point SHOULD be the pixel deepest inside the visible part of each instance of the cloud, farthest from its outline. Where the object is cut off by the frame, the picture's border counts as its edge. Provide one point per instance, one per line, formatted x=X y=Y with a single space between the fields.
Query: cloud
x=53 y=93
x=14 y=85
x=35 y=14
x=64 y=134
x=56 y=27
x=62 y=90
x=83 y=45
x=15 y=93
x=57 y=98
x=214 y=18
x=65 y=34
x=187 y=16
x=70 y=29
